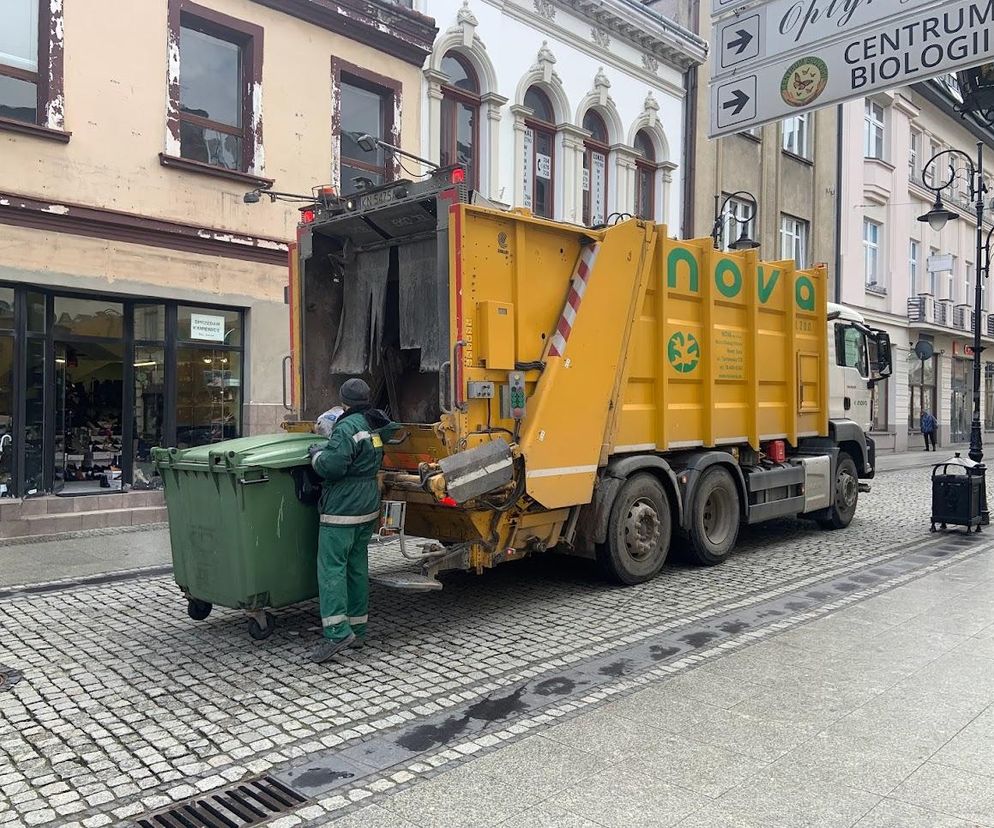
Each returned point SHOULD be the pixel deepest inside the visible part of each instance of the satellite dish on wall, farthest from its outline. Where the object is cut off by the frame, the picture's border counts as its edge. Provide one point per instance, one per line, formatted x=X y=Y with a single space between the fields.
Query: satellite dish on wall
x=924 y=350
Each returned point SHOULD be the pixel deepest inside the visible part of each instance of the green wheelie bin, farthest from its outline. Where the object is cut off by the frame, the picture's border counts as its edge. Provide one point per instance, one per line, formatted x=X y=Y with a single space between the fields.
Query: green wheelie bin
x=243 y=524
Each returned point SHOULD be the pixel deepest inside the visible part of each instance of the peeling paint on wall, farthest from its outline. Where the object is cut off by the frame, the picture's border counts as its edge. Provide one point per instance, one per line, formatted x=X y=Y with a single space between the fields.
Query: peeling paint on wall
x=172 y=88
x=258 y=150
x=55 y=108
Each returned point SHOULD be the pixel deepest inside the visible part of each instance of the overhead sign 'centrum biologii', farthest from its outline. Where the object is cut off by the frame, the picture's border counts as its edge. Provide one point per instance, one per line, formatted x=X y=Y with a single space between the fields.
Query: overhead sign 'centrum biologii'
x=904 y=49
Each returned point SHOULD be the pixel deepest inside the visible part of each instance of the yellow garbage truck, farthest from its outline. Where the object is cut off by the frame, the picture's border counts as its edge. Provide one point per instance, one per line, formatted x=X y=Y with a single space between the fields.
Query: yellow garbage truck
x=605 y=392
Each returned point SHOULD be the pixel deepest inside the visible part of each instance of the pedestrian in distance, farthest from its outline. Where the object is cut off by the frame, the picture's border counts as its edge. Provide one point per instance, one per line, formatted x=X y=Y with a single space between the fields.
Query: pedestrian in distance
x=929 y=426
x=348 y=464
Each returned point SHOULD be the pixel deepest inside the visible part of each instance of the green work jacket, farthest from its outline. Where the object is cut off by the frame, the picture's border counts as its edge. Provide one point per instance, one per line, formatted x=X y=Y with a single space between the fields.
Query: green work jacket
x=348 y=466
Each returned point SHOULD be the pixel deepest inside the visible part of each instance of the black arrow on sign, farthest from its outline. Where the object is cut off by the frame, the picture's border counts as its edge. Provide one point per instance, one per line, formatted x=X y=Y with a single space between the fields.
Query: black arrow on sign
x=737 y=103
x=739 y=44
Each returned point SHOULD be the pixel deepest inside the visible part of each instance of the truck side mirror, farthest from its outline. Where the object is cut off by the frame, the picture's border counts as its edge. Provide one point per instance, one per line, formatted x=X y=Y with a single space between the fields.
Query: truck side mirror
x=882 y=366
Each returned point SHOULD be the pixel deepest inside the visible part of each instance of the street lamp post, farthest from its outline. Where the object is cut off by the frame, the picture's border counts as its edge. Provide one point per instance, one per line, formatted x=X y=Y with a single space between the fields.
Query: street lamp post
x=722 y=215
x=936 y=218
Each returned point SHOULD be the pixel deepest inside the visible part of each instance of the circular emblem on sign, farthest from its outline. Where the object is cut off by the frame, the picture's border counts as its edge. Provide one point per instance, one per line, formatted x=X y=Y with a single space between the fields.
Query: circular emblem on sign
x=683 y=352
x=804 y=81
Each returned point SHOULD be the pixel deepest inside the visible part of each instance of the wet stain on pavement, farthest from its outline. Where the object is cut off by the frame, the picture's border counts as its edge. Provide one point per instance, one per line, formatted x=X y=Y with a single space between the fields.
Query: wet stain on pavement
x=733 y=627
x=424 y=737
x=657 y=652
x=616 y=669
x=493 y=710
x=316 y=777
x=558 y=686
x=699 y=639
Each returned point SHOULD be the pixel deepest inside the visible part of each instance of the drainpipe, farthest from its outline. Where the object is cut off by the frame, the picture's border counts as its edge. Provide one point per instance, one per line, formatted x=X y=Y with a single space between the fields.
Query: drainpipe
x=689 y=151
x=838 y=206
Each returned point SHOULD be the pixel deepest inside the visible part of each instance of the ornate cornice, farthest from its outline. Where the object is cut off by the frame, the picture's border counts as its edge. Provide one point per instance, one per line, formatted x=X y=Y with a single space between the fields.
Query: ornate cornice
x=660 y=38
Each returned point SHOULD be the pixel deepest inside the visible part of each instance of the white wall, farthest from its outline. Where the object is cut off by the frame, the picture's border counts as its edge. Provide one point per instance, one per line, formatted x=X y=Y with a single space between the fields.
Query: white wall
x=504 y=41
x=889 y=192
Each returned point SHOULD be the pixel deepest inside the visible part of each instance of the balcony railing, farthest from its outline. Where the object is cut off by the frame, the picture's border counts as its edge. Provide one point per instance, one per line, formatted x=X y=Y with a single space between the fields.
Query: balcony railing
x=925 y=309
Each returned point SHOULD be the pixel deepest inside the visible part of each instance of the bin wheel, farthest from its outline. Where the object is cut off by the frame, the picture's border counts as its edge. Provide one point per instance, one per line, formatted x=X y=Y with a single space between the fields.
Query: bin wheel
x=259 y=632
x=198 y=610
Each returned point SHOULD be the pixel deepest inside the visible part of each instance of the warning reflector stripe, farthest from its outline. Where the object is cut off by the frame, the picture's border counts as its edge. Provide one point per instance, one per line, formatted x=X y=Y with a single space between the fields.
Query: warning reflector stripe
x=578 y=287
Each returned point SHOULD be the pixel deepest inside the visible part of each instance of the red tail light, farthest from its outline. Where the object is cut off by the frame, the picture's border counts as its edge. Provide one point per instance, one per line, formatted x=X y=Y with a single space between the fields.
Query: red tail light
x=458 y=175
x=777 y=451
x=307 y=216
x=448 y=501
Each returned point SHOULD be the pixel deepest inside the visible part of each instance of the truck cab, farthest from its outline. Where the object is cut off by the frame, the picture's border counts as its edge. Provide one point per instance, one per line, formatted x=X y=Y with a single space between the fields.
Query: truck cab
x=859 y=358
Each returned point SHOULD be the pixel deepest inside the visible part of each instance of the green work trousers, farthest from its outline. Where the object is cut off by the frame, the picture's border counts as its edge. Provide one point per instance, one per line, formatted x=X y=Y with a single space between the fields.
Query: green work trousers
x=343 y=579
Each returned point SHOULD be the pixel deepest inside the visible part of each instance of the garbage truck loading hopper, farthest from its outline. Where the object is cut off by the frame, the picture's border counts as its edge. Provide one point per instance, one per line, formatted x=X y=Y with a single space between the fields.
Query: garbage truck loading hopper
x=359 y=316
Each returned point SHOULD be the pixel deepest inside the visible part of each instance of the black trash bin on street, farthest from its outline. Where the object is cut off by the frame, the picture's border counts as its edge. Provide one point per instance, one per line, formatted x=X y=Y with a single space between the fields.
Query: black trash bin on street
x=957 y=493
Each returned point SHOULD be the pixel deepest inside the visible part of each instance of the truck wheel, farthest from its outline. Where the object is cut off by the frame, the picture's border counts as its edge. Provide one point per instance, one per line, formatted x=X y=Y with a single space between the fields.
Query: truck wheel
x=198 y=610
x=639 y=530
x=843 y=508
x=715 y=517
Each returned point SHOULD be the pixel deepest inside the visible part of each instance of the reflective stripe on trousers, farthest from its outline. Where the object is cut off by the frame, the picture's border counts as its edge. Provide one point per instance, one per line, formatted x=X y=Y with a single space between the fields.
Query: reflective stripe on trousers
x=331 y=620
x=349 y=520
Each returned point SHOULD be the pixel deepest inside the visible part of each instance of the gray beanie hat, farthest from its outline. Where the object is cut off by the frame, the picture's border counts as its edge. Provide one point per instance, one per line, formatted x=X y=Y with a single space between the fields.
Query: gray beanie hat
x=354 y=392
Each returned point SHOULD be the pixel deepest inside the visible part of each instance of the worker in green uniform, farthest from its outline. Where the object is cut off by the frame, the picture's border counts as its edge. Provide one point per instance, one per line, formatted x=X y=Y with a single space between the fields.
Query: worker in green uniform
x=348 y=465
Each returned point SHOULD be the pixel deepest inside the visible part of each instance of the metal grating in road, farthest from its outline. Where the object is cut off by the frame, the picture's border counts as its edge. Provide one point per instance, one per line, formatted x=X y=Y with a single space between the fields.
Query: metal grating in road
x=247 y=803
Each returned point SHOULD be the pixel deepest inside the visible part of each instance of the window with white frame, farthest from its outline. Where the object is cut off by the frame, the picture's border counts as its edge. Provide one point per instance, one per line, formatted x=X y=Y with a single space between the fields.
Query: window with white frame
x=873 y=130
x=871 y=254
x=794 y=239
x=796 y=135
x=933 y=277
x=740 y=219
x=915 y=155
x=914 y=266
x=951 y=280
x=934 y=173
x=970 y=275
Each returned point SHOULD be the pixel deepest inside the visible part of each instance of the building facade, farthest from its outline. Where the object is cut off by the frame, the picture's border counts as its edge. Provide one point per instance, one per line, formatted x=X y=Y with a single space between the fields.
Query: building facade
x=916 y=283
x=790 y=168
x=575 y=110
x=141 y=299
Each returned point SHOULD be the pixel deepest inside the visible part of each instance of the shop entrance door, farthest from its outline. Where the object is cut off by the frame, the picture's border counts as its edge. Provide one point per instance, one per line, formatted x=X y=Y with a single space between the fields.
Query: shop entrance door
x=959 y=403
x=960 y=414
x=7 y=445
x=89 y=421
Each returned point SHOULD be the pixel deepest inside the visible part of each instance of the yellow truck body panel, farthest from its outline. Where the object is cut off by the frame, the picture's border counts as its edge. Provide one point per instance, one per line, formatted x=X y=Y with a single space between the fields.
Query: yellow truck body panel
x=648 y=344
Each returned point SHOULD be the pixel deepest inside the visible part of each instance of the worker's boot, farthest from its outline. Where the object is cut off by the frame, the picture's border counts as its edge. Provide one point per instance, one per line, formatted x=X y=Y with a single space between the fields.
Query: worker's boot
x=358 y=643
x=329 y=647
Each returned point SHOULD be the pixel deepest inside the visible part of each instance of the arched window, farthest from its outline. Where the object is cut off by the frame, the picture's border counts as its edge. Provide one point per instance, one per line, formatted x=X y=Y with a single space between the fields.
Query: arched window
x=595 y=150
x=645 y=176
x=540 y=150
x=460 y=116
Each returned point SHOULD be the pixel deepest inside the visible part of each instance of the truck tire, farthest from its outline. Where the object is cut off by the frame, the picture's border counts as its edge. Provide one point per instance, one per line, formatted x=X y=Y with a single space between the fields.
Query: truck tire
x=639 y=532
x=843 y=508
x=714 y=518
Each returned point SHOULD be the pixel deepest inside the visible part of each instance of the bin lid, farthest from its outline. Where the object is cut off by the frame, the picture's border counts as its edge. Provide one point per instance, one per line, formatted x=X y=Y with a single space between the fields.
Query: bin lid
x=956 y=461
x=268 y=451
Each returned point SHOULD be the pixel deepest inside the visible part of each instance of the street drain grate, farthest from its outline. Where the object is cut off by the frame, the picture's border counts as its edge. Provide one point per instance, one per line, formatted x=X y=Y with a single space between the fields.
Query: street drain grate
x=247 y=803
x=8 y=677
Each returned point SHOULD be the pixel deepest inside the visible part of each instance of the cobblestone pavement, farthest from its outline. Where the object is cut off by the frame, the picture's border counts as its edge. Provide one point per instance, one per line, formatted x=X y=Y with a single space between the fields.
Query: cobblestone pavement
x=124 y=705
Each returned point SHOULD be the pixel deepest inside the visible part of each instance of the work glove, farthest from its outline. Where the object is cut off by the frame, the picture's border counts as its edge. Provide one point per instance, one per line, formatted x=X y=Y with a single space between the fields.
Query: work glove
x=315 y=449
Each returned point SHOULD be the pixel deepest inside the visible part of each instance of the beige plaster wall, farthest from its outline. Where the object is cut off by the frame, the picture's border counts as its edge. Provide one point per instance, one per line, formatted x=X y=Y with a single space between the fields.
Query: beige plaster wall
x=115 y=85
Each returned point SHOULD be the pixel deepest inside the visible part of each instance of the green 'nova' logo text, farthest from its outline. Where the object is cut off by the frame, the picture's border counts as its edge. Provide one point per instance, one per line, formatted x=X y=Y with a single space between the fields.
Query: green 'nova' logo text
x=728 y=278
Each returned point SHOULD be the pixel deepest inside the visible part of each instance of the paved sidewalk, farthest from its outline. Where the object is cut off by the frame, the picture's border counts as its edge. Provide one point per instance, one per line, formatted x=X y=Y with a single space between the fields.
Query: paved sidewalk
x=83 y=555
x=878 y=714
x=917 y=457
x=533 y=695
